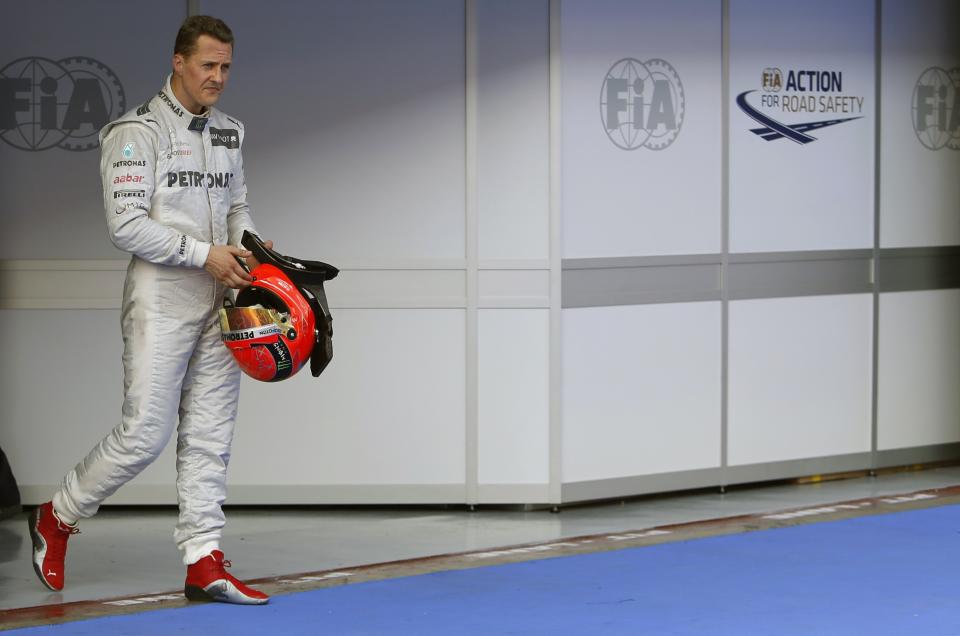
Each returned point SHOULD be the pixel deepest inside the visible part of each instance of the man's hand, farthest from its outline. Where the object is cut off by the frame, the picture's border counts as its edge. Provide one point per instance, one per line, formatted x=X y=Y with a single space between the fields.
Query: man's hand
x=223 y=266
x=252 y=261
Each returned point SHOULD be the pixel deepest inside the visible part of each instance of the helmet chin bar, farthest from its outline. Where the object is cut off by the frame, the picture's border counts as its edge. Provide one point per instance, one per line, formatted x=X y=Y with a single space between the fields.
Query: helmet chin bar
x=309 y=277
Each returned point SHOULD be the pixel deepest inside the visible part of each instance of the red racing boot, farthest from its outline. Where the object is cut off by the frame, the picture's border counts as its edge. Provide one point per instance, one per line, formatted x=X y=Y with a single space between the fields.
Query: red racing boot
x=208 y=581
x=49 y=536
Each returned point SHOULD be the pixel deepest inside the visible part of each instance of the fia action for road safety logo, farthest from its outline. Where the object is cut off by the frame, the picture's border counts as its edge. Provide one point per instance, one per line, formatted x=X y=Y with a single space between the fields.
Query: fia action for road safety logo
x=799 y=94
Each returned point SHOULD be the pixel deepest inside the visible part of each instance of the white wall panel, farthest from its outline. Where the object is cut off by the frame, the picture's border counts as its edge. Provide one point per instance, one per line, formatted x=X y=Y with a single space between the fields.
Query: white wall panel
x=355 y=124
x=641 y=390
x=514 y=396
x=644 y=201
x=394 y=392
x=388 y=410
x=920 y=152
x=800 y=378
x=397 y=288
x=786 y=195
x=55 y=187
x=919 y=369
x=510 y=287
x=87 y=284
x=61 y=284
x=512 y=128
x=64 y=395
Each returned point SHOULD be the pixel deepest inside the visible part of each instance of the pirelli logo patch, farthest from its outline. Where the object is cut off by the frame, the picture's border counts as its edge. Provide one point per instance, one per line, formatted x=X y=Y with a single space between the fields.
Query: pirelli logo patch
x=226 y=137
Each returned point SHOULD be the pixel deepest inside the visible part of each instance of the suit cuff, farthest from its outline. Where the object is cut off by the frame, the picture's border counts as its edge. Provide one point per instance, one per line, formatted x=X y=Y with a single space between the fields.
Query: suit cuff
x=201 y=251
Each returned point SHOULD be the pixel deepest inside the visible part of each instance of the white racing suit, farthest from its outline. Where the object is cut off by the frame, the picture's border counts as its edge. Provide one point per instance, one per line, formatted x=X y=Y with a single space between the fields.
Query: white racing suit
x=173 y=186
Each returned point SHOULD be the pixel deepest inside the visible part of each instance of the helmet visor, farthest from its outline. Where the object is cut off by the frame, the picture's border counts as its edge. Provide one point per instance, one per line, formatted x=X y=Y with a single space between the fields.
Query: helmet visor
x=243 y=325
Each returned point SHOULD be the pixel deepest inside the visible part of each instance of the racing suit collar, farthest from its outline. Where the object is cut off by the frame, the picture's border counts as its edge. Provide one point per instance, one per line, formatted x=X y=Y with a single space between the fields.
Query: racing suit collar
x=183 y=117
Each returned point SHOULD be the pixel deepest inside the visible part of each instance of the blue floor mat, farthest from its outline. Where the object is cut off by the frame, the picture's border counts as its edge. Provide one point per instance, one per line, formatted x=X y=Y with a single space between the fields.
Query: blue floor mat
x=884 y=574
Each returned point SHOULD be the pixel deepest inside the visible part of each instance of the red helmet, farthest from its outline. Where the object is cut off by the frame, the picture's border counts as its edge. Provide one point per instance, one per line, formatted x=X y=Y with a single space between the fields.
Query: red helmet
x=271 y=328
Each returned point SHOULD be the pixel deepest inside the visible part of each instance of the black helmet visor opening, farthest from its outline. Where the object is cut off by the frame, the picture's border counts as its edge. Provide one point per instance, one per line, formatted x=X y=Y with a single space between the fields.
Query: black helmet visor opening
x=253 y=295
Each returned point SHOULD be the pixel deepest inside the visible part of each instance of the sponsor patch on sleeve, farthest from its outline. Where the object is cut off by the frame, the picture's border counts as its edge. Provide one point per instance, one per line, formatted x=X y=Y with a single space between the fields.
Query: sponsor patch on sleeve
x=128 y=178
x=128 y=194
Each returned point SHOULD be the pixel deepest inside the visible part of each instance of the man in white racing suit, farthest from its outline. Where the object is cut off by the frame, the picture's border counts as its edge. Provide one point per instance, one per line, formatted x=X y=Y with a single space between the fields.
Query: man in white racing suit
x=175 y=198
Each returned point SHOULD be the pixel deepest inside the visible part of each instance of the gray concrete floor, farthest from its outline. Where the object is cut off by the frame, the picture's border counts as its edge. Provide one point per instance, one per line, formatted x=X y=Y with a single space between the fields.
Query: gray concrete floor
x=125 y=552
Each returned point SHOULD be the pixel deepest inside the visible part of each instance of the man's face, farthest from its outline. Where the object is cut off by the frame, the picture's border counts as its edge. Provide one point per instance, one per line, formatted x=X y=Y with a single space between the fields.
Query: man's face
x=203 y=75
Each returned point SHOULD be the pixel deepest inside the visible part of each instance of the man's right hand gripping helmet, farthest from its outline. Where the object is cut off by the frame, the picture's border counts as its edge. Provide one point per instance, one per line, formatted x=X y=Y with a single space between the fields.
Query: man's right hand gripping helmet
x=282 y=319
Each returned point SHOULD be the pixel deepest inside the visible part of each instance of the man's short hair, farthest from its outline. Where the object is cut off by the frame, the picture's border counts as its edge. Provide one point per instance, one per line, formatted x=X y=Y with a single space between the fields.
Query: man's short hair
x=197 y=25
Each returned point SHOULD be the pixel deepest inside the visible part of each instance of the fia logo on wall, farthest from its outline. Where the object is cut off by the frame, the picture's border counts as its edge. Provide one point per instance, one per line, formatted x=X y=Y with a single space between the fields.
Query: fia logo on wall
x=936 y=116
x=799 y=94
x=642 y=104
x=64 y=103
